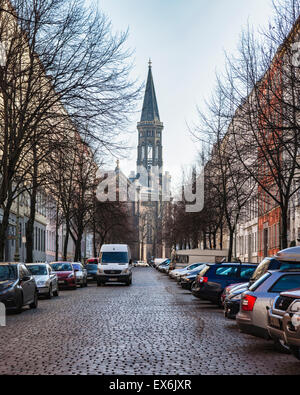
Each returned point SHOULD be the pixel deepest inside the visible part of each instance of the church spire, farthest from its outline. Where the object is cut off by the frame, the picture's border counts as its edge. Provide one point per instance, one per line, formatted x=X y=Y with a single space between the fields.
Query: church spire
x=150 y=108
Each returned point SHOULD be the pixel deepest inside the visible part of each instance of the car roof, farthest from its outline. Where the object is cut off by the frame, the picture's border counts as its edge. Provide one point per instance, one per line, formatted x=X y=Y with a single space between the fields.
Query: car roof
x=114 y=247
x=37 y=264
x=232 y=264
x=61 y=262
x=11 y=263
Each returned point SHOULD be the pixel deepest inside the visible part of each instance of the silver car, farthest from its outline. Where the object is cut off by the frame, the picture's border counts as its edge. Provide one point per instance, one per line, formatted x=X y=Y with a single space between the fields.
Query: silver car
x=284 y=321
x=258 y=299
x=46 y=280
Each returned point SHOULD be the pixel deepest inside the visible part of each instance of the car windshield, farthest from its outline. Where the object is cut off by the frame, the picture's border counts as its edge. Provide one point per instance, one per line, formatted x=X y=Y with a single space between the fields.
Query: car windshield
x=260 y=281
x=114 y=257
x=37 y=270
x=8 y=272
x=91 y=266
x=261 y=269
x=76 y=266
x=62 y=267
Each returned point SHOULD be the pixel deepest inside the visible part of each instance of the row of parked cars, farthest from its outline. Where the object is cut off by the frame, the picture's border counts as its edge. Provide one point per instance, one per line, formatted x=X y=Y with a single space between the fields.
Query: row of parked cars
x=264 y=298
x=22 y=284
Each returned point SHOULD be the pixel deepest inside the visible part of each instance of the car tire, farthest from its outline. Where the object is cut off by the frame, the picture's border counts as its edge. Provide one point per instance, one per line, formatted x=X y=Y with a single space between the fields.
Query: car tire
x=295 y=351
x=34 y=304
x=19 y=304
x=81 y=285
x=50 y=293
x=56 y=293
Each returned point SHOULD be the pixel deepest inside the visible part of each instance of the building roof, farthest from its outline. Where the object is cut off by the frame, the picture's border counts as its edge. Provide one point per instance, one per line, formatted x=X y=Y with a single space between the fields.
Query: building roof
x=150 y=107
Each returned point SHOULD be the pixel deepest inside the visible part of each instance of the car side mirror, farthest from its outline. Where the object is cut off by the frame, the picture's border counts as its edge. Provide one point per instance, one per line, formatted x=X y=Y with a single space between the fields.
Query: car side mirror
x=76 y=270
x=130 y=262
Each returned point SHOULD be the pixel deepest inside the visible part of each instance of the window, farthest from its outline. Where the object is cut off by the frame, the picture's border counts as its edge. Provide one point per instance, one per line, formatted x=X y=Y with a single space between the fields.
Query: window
x=287 y=282
x=247 y=272
x=228 y=271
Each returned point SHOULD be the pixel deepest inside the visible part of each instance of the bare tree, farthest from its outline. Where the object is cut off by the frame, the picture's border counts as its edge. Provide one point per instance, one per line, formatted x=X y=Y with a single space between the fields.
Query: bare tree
x=63 y=73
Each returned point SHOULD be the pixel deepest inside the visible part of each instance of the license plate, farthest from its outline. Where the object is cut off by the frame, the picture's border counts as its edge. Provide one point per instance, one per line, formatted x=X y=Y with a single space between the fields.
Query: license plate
x=113 y=279
x=61 y=282
x=275 y=322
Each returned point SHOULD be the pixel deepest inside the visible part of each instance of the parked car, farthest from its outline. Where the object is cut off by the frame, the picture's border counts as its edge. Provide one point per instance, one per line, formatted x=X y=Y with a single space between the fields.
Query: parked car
x=233 y=300
x=285 y=259
x=91 y=268
x=159 y=261
x=17 y=287
x=81 y=274
x=177 y=273
x=253 y=315
x=65 y=274
x=115 y=264
x=284 y=320
x=45 y=278
x=187 y=281
x=291 y=324
x=141 y=264
x=214 y=278
x=232 y=288
x=164 y=267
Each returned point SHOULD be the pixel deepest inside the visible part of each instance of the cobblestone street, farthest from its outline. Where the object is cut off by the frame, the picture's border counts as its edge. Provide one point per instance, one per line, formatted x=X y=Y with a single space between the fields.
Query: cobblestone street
x=153 y=327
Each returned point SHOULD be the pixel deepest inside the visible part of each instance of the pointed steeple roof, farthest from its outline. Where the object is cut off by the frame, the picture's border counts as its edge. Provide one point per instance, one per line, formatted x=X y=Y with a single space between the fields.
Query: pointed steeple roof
x=150 y=108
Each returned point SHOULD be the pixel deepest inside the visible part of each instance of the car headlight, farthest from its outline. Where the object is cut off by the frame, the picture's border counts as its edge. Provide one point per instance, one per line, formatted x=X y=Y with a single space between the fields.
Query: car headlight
x=296 y=320
x=295 y=308
x=125 y=271
x=71 y=275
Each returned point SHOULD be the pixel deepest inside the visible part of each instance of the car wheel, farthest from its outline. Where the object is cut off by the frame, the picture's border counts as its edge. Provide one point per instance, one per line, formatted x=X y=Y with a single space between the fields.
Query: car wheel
x=34 y=304
x=81 y=285
x=56 y=293
x=50 y=293
x=295 y=351
x=280 y=346
x=19 y=304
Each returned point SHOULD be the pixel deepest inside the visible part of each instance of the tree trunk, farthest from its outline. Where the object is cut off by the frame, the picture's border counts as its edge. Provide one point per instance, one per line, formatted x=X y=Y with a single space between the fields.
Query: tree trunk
x=30 y=227
x=284 y=227
x=3 y=230
x=230 y=248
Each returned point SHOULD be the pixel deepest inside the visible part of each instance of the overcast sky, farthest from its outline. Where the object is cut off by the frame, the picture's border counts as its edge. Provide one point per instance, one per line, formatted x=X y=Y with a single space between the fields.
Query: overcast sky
x=185 y=40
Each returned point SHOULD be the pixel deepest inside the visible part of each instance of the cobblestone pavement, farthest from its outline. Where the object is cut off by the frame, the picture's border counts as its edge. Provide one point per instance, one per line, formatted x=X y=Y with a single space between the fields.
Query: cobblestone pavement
x=152 y=327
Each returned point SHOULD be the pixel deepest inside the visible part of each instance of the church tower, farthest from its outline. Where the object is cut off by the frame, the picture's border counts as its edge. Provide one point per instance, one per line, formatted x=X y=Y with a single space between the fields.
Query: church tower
x=150 y=130
x=150 y=174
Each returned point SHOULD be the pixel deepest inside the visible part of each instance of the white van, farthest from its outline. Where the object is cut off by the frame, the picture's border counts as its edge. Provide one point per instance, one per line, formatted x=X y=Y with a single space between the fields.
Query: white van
x=115 y=264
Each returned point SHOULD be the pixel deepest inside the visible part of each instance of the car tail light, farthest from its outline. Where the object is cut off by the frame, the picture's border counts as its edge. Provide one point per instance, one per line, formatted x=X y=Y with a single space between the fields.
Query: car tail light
x=203 y=280
x=248 y=302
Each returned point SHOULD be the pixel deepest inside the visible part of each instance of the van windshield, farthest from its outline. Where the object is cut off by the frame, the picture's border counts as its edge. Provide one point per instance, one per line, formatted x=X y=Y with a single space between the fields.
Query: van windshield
x=114 y=257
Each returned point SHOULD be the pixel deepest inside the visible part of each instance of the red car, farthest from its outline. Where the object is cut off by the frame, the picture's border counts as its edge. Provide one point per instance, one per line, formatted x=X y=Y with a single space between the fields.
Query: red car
x=65 y=274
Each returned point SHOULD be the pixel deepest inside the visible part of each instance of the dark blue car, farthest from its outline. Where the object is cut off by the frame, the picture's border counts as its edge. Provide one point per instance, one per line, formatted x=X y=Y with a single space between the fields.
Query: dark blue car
x=214 y=278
